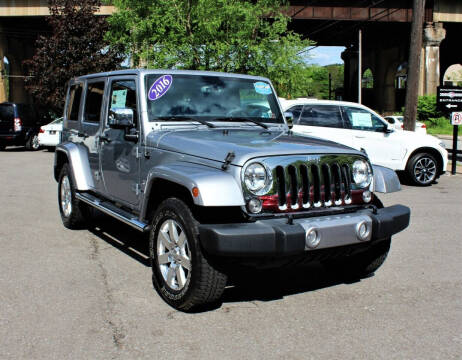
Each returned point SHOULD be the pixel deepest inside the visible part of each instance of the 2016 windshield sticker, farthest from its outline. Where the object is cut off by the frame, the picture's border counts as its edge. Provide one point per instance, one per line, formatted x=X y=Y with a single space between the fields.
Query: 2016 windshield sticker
x=262 y=88
x=160 y=87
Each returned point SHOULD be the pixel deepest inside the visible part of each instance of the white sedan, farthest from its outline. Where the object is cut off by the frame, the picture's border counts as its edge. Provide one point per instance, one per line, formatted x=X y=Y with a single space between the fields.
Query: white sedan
x=422 y=157
x=397 y=122
x=50 y=134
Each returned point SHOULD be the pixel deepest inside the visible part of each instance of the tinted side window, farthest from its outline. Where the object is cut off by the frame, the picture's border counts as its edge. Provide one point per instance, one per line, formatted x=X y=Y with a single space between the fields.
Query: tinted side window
x=361 y=119
x=93 y=102
x=75 y=94
x=321 y=115
x=296 y=111
x=123 y=95
x=6 y=112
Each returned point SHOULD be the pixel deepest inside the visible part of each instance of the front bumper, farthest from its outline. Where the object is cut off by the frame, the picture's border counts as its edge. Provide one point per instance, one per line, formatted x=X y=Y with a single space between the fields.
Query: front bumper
x=276 y=237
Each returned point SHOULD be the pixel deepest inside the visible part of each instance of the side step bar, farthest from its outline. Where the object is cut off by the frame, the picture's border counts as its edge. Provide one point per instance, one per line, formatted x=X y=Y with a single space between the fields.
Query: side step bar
x=113 y=211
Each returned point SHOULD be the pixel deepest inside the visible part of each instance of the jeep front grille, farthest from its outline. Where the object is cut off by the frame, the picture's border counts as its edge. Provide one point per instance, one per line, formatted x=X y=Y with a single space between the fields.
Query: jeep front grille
x=312 y=185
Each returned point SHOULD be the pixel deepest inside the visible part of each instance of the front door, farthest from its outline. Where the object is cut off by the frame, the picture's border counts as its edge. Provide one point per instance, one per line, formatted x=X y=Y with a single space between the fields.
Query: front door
x=369 y=133
x=120 y=164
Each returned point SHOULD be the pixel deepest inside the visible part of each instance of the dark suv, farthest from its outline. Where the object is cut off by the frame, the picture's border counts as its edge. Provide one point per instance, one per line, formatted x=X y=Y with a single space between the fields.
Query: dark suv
x=19 y=125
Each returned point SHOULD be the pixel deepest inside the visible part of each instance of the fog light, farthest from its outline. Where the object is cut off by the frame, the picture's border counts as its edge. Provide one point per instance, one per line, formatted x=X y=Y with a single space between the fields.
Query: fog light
x=362 y=231
x=312 y=238
x=367 y=196
x=254 y=205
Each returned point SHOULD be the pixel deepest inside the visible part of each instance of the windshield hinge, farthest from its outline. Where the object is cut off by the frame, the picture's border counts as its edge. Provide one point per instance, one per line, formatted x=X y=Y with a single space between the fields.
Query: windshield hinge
x=229 y=158
x=138 y=152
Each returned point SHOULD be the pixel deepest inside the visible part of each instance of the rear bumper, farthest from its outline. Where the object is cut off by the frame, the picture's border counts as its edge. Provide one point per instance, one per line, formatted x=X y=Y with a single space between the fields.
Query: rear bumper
x=13 y=138
x=275 y=237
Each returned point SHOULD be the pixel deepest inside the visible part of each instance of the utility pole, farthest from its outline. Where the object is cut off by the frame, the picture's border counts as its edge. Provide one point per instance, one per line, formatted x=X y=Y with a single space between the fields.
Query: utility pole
x=413 y=68
x=360 y=66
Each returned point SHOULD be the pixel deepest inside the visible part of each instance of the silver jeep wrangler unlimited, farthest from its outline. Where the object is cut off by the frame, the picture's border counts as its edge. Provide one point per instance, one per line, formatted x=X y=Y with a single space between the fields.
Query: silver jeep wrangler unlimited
x=205 y=162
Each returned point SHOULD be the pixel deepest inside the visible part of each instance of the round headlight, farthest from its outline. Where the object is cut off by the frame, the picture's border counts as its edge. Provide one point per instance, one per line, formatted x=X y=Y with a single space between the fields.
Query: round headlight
x=362 y=174
x=255 y=177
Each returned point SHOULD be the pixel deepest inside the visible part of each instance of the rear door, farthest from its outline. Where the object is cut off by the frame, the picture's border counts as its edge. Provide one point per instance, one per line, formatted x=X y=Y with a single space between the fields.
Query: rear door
x=323 y=121
x=6 y=119
x=91 y=125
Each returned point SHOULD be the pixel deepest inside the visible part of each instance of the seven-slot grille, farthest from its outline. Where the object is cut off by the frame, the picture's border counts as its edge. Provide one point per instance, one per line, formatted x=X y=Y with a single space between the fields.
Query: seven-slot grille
x=312 y=185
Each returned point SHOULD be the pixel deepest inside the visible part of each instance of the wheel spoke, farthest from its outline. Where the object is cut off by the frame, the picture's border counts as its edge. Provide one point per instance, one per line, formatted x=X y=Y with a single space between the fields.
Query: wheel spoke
x=172 y=231
x=171 y=277
x=163 y=258
x=185 y=262
x=165 y=240
x=180 y=277
x=181 y=240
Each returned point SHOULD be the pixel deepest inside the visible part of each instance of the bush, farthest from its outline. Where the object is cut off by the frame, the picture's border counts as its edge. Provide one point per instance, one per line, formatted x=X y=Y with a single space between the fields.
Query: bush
x=440 y=125
x=426 y=108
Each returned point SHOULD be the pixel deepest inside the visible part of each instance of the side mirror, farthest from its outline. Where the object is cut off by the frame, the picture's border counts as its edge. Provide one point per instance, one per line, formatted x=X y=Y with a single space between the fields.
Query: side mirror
x=289 y=116
x=389 y=128
x=121 y=118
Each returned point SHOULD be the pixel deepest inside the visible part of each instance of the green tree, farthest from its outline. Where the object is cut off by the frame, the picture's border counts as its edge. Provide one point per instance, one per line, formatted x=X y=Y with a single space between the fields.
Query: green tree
x=249 y=37
x=75 y=46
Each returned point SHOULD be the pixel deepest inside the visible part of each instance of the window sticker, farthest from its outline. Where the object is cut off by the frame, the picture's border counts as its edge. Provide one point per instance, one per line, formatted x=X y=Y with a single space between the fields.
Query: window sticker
x=119 y=98
x=160 y=87
x=262 y=88
x=361 y=119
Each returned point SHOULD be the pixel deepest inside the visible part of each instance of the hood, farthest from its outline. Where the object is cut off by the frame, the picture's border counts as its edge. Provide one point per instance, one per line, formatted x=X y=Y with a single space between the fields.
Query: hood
x=215 y=144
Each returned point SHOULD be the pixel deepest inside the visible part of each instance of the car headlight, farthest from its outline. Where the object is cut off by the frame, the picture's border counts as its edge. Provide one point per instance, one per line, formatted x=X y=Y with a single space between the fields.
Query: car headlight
x=257 y=179
x=362 y=174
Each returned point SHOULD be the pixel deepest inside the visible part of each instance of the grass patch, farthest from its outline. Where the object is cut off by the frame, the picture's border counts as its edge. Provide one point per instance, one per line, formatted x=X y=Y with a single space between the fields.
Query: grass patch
x=439 y=126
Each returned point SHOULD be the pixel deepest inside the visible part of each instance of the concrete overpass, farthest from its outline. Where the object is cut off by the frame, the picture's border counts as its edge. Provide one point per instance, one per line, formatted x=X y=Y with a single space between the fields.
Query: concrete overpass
x=385 y=25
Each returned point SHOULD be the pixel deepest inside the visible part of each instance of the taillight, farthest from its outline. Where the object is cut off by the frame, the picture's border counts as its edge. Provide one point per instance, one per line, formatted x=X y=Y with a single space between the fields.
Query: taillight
x=41 y=131
x=424 y=126
x=402 y=126
x=17 y=124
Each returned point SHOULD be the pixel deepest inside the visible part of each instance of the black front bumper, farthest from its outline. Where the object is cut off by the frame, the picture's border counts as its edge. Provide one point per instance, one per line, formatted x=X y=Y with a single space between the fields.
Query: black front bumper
x=274 y=237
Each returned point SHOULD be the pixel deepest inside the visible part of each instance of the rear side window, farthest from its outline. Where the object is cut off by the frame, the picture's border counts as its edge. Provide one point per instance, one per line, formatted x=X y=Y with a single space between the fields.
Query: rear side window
x=75 y=93
x=6 y=112
x=321 y=115
x=296 y=111
x=93 y=102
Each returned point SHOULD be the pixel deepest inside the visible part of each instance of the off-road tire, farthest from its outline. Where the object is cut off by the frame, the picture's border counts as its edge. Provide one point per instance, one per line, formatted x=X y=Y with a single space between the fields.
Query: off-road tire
x=77 y=219
x=421 y=158
x=32 y=143
x=205 y=284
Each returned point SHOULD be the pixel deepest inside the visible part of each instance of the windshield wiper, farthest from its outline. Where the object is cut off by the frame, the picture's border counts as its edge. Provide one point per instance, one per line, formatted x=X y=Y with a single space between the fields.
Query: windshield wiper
x=231 y=118
x=184 y=118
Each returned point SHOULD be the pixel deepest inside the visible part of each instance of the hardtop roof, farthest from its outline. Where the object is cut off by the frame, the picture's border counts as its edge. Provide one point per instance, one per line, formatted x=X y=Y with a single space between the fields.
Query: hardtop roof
x=166 y=71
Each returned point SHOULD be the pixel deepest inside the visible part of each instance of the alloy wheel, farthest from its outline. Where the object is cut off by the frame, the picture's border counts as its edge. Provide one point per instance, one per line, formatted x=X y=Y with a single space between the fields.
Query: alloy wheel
x=425 y=170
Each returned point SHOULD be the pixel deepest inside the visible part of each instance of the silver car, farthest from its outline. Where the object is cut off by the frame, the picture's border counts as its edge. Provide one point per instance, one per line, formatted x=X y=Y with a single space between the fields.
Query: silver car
x=205 y=163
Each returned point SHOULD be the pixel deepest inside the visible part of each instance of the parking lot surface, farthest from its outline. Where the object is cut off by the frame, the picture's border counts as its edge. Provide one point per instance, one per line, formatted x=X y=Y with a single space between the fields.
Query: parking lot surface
x=88 y=294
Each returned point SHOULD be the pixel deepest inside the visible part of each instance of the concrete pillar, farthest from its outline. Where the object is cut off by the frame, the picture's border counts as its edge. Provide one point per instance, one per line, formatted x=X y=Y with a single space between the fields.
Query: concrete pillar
x=433 y=34
x=350 y=57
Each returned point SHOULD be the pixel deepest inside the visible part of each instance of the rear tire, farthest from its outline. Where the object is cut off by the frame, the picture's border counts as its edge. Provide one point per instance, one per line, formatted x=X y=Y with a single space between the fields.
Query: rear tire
x=181 y=273
x=422 y=169
x=32 y=143
x=74 y=213
x=2 y=147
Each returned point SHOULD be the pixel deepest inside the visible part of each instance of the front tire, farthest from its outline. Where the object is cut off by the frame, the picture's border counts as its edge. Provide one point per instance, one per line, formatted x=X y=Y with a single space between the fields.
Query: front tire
x=74 y=213
x=181 y=273
x=422 y=169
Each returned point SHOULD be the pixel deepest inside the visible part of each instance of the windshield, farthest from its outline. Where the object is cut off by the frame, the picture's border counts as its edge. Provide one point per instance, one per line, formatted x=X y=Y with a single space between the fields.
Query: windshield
x=194 y=97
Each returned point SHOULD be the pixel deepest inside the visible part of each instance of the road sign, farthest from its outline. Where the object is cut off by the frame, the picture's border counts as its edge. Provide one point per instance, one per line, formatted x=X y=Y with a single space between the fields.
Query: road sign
x=456 y=118
x=449 y=98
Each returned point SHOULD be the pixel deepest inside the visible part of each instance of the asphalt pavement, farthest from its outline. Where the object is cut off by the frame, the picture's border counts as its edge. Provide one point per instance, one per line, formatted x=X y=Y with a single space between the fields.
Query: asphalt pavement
x=88 y=294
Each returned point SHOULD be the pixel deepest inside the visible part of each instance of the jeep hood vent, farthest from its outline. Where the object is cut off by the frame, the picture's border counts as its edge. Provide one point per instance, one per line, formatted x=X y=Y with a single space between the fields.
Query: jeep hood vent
x=215 y=144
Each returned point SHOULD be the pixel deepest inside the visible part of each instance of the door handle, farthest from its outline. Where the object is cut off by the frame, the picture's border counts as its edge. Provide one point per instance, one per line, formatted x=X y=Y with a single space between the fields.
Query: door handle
x=104 y=138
